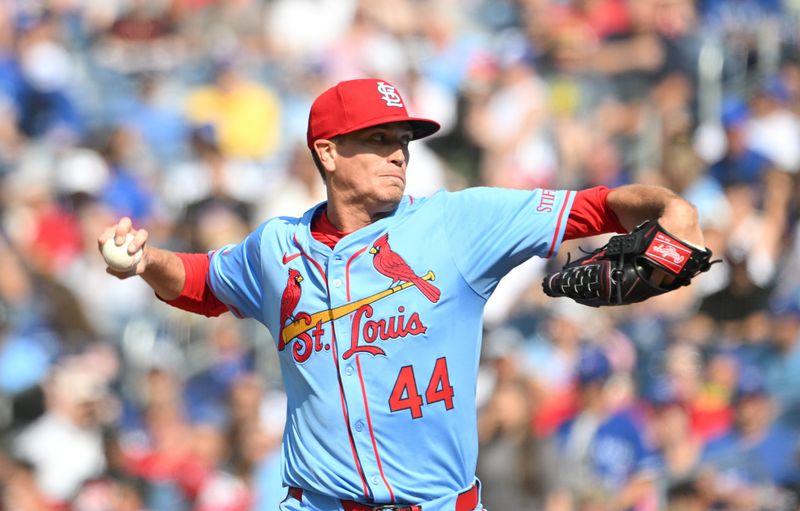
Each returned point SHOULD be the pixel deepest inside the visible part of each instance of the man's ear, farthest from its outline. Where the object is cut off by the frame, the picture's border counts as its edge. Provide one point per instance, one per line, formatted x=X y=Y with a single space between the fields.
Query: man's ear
x=326 y=152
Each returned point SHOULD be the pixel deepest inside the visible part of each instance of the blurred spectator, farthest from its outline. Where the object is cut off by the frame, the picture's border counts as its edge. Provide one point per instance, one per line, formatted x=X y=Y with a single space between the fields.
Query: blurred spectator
x=129 y=190
x=754 y=466
x=508 y=125
x=786 y=295
x=431 y=100
x=262 y=448
x=684 y=172
x=685 y=496
x=367 y=50
x=774 y=129
x=782 y=368
x=501 y=361
x=228 y=358
x=212 y=186
x=739 y=301
x=245 y=114
x=324 y=23
x=28 y=344
x=43 y=99
x=110 y=306
x=219 y=489
x=108 y=494
x=742 y=9
x=36 y=222
x=212 y=28
x=246 y=401
x=677 y=448
x=710 y=392
x=24 y=359
x=255 y=434
x=741 y=164
x=758 y=198
x=758 y=187
x=164 y=462
x=551 y=359
x=514 y=463
x=606 y=463
x=155 y=118
x=139 y=38
x=512 y=296
x=448 y=48
x=191 y=465
x=635 y=57
x=65 y=445
x=12 y=140
x=22 y=492
x=302 y=187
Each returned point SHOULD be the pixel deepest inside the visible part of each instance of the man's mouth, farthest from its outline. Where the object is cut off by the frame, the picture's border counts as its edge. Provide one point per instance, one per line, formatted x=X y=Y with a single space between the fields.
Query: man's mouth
x=396 y=176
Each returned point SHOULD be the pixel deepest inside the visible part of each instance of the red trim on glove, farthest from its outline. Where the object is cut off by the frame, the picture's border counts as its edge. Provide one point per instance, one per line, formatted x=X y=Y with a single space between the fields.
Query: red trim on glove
x=196 y=295
x=591 y=215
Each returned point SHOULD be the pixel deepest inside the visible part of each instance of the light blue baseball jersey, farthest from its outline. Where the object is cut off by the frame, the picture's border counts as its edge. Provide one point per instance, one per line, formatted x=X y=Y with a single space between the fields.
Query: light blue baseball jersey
x=379 y=338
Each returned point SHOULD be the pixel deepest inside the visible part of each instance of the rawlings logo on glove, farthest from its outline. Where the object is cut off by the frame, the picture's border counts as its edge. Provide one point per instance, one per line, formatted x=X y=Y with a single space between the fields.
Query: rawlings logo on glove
x=669 y=252
x=619 y=272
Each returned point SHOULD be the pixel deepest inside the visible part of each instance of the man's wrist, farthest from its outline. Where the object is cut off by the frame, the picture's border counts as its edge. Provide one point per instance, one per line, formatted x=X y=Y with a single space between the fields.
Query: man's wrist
x=164 y=271
x=681 y=220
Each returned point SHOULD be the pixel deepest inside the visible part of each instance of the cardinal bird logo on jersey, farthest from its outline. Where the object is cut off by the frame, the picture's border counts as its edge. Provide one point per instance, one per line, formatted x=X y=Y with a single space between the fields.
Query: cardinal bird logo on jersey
x=290 y=297
x=390 y=264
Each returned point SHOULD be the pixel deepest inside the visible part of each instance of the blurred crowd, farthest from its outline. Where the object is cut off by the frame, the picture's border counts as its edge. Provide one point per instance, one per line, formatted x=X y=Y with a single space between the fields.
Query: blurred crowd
x=189 y=116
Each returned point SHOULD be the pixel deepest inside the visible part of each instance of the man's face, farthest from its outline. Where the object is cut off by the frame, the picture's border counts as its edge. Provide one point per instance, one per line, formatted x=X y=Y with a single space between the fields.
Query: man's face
x=370 y=165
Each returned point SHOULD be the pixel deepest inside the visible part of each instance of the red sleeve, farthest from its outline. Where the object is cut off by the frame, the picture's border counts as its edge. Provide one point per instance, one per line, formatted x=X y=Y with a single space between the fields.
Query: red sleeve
x=590 y=215
x=197 y=296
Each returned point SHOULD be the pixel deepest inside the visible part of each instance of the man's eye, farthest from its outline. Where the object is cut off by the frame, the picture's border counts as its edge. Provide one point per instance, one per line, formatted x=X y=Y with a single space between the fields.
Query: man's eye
x=383 y=138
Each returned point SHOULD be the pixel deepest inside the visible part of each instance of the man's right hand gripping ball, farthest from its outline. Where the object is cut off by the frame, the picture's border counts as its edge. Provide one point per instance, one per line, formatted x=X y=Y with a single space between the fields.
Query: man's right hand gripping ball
x=620 y=272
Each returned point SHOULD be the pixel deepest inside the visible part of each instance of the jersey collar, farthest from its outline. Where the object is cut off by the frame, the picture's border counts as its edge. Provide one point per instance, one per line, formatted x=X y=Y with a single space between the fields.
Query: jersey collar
x=366 y=233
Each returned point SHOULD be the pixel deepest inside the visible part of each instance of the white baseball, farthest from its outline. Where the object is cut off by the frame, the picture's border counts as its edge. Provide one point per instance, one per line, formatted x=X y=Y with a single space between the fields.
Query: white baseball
x=117 y=257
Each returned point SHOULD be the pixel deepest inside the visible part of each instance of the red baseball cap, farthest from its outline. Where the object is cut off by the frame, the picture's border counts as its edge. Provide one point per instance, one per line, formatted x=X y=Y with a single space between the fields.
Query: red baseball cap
x=357 y=104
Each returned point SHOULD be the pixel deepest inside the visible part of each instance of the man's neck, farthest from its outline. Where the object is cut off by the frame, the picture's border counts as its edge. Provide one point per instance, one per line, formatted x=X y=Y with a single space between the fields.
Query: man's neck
x=350 y=217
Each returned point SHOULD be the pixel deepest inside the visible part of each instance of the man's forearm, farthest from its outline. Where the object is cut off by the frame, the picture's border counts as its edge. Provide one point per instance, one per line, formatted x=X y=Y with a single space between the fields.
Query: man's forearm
x=633 y=204
x=164 y=272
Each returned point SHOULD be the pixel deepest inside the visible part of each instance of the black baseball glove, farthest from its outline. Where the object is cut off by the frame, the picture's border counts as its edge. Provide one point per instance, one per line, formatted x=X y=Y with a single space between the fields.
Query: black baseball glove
x=618 y=273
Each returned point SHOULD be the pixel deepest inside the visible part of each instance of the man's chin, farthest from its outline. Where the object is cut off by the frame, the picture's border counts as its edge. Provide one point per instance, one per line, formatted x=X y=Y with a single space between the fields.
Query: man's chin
x=395 y=191
x=391 y=199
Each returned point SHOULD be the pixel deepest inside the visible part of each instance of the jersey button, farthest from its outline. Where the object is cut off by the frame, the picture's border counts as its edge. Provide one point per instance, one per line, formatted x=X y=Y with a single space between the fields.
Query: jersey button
x=348 y=370
x=337 y=283
x=359 y=425
x=375 y=480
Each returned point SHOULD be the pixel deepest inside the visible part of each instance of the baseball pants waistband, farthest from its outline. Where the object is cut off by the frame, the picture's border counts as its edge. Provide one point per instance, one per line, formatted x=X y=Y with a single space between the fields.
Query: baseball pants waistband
x=465 y=501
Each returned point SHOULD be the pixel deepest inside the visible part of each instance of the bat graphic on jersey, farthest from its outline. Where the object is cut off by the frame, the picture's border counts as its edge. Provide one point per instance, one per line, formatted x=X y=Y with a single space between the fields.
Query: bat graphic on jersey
x=304 y=322
x=389 y=263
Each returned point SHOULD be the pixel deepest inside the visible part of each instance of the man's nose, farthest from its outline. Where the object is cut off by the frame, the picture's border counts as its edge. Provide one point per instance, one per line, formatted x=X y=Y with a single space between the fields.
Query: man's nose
x=399 y=155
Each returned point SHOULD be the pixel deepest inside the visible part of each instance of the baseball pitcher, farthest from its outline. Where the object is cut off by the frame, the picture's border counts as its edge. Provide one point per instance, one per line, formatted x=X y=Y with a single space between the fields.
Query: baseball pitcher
x=375 y=300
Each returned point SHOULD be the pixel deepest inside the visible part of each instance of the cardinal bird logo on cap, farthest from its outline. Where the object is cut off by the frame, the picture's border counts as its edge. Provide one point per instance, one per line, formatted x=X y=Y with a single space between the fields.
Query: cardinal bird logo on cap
x=390 y=264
